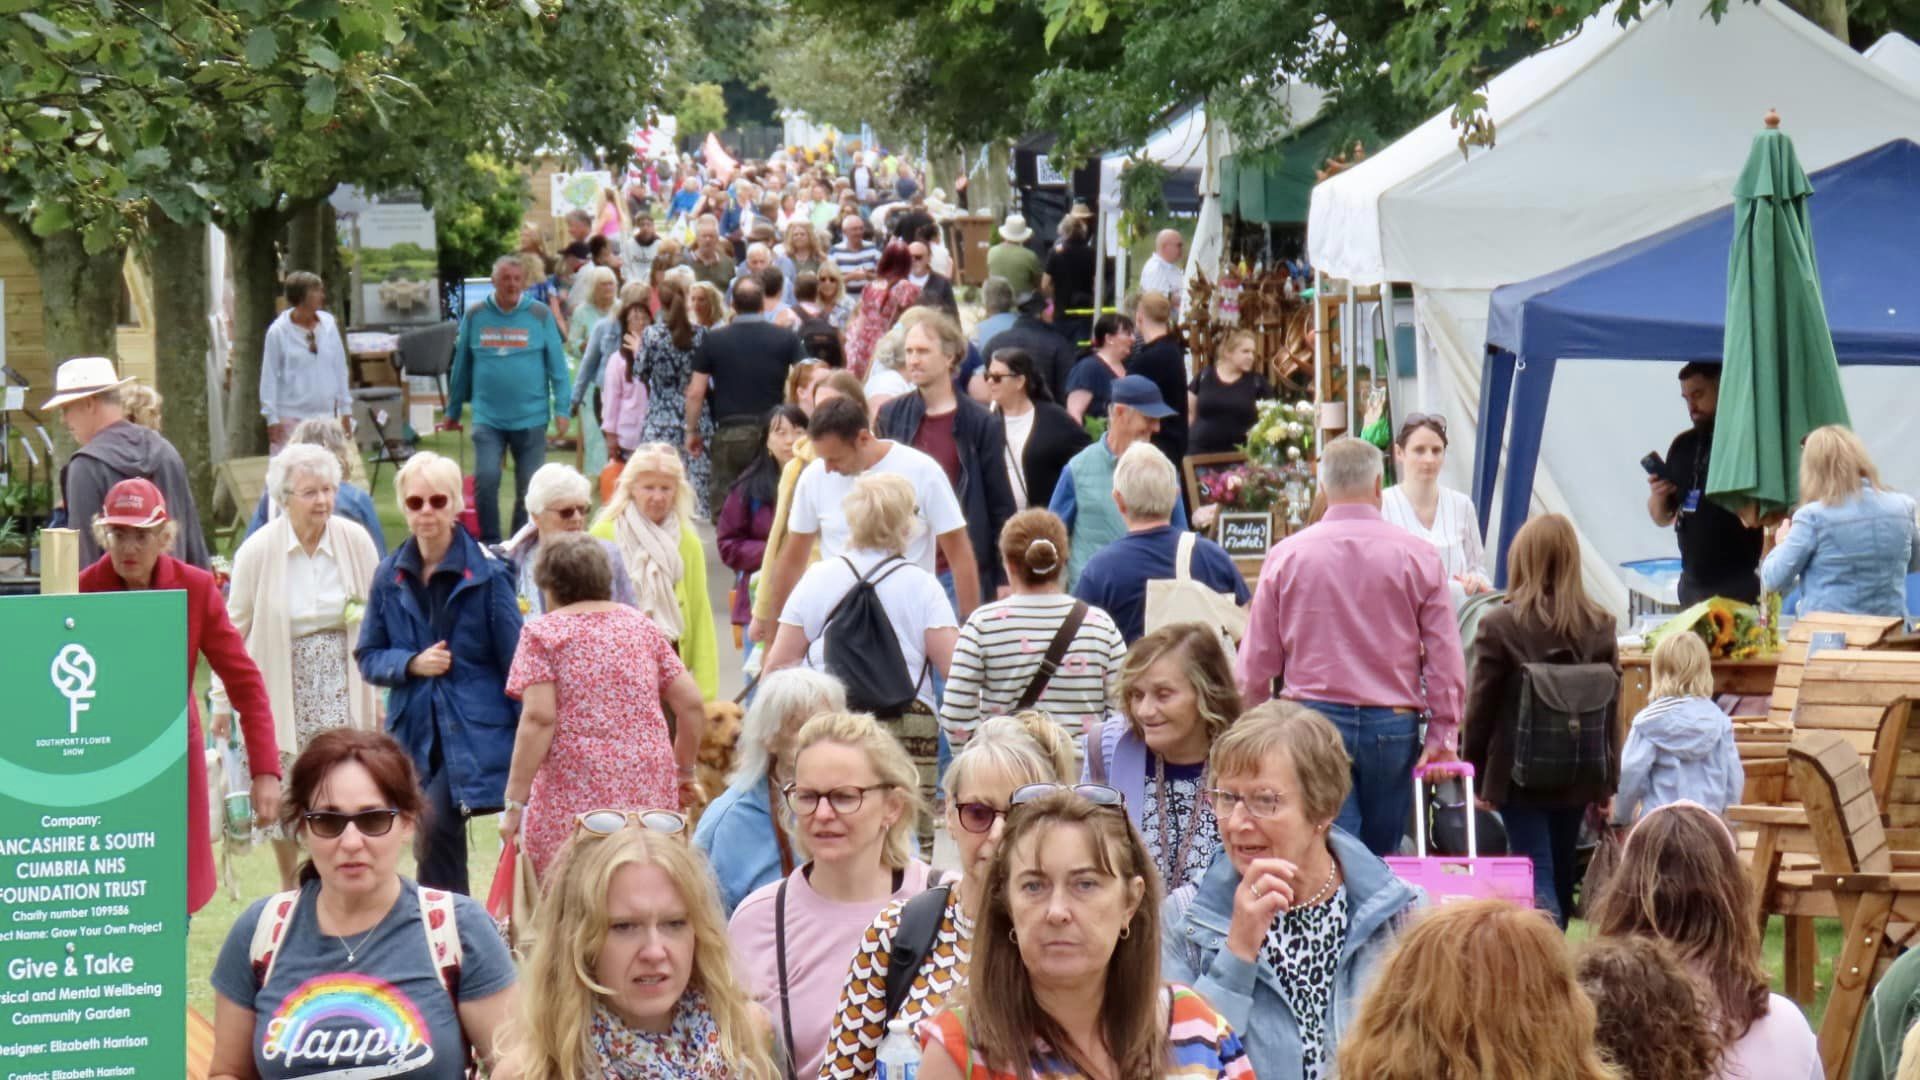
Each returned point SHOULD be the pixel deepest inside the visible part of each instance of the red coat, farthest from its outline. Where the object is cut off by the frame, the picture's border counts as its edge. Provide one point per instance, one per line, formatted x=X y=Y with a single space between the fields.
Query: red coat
x=211 y=634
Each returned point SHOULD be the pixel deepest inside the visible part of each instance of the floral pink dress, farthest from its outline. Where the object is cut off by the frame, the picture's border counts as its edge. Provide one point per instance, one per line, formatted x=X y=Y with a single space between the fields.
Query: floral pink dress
x=880 y=307
x=610 y=746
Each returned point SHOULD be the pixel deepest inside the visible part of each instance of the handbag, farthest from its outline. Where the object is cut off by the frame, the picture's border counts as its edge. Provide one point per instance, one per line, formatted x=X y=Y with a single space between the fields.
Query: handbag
x=1447 y=812
x=1452 y=878
x=1185 y=599
x=514 y=898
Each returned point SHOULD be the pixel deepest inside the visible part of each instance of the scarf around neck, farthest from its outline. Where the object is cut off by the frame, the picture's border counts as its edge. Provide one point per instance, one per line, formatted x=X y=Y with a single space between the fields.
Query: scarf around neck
x=652 y=555
x=688 y=1050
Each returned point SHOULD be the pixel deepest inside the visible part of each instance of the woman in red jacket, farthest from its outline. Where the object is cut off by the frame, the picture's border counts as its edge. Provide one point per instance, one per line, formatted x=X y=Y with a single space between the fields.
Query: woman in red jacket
x=136 y=533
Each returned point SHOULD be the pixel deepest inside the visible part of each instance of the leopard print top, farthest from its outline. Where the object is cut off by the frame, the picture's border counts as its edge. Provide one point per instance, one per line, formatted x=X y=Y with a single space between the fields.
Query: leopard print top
x=1303 y=949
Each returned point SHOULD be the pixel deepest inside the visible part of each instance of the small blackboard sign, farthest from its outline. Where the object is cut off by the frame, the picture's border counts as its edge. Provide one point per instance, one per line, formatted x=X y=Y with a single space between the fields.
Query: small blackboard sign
x=1246 y=535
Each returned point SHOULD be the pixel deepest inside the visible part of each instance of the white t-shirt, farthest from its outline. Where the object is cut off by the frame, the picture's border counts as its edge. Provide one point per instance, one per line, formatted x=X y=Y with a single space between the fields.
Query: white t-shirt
x=914 y=600
x=884 y=382
x=1019 y=429
x=818 y=495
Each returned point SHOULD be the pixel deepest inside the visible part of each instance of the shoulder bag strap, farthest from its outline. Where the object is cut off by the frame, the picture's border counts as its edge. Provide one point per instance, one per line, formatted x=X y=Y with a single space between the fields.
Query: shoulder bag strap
x=1183 y=560
x=913 y=939
x=780 y=951
x=269 y=932
x=443 y=938
x=1096 y=760
x=1056 y=652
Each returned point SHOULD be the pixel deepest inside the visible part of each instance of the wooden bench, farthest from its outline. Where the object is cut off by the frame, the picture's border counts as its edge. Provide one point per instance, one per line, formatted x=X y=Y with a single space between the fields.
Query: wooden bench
x=242 y=480
x=1875 y=887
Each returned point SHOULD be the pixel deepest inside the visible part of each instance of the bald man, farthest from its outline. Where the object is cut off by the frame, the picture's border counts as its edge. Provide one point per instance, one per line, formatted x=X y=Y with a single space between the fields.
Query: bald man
x=1164 y=271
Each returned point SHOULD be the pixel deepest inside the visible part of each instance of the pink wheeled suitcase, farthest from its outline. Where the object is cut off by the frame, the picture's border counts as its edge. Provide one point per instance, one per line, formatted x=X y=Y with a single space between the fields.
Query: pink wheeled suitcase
x=1449 y=878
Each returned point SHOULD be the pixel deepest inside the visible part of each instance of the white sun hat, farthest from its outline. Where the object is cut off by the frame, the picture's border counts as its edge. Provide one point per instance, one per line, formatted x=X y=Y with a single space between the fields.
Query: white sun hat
x=83 y=376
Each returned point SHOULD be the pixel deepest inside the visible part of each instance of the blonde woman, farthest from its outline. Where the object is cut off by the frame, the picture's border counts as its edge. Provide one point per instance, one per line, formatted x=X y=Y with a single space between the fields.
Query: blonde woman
x=649 y=519
x=709 y=304
x=1223 y=401
x=1852 y=543
x=833 y=297
x=854 y=800
x=631 y=976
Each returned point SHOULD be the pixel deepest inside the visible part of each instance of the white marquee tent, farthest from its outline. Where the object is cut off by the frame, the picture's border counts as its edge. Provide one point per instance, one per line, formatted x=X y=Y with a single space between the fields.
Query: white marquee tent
x=1898 y=55
x=1608 y=136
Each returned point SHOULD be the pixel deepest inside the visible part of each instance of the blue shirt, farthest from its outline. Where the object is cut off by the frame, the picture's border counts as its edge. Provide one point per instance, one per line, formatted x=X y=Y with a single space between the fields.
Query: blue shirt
x=511 y=365
x=1090 y=373
x=737 y=833
x=992 y=325
x=1851 y=559
x=1116 y=578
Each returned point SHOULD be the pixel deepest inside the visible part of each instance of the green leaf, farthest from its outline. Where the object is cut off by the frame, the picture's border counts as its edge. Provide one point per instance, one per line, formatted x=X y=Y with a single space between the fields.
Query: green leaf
x=42 y=127
x=261 y=46
x=50 y=218
x=320 y=94
x=155 y=158
x=324 y=57
x=47 y=28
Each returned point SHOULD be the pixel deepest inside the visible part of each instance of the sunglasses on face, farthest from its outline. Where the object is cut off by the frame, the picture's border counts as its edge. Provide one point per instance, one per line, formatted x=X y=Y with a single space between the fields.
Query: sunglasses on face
x=416 y=503
x=608 y=822
x=313 y=343
x=568 y=513
x=978 y=817
x=1098 y=794
x=329 y=824
x=804 y=802
x=998 y=377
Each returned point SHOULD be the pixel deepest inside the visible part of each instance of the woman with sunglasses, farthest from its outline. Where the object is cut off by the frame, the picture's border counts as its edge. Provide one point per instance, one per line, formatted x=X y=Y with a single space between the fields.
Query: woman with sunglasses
x=1041 y=437
x=649 y=521
x=1285 y=930
x=558 y=502
x=1005 y=755
x=1439 y=515
x=303 y=362
x=1177 y=695
x=441 y=626
x=136 y=532
x=361 y=933
x=855 y=802
x=630 y=975
x=592 y=676
x=1065 y=979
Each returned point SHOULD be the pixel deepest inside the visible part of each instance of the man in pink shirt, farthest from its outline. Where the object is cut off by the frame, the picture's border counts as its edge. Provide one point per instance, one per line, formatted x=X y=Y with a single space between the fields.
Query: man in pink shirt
x=1354 y=618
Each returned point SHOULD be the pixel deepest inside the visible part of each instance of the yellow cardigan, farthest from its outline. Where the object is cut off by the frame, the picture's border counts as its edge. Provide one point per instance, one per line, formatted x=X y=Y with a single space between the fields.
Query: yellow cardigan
x=698 y=648
x=777 y=536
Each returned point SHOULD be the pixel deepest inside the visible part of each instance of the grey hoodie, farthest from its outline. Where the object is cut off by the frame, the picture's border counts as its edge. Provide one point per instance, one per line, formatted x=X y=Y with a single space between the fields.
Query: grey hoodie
x=119 y=452
x=1678 y=748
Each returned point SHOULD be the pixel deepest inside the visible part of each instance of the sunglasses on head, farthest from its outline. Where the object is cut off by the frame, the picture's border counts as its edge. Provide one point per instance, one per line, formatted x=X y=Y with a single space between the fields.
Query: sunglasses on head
x=1098 y=794
x=1414 y=420
x=416 y=503
x=608 y=822
x=329 y=824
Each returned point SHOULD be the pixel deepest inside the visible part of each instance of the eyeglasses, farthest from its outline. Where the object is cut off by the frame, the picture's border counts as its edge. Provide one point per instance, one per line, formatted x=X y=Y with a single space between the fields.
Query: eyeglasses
x=608 y=822
x=131 y=536
x=1261 y=804
x=844 y=800
x=1099 y=794
x=996 y=377
x=416 y=503
x=329 y=824
x=978 y=817
x=566 y=513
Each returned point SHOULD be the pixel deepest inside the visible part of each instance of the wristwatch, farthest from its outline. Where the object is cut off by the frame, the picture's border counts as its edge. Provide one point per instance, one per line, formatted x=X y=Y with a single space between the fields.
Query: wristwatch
x=508 y=805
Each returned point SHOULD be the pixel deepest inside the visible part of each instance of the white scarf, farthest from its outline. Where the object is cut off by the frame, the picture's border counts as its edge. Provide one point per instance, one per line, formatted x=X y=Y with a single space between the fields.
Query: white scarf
x=652 y=555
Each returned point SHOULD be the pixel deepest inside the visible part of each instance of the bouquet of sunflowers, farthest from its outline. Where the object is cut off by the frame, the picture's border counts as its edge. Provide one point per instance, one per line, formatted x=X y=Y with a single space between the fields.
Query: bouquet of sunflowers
x=1731 y=629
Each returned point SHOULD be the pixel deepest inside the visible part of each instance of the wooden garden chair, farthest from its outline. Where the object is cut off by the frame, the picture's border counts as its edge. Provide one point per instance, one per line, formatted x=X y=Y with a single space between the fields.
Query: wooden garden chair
x=1875 y=888
x=243 y=480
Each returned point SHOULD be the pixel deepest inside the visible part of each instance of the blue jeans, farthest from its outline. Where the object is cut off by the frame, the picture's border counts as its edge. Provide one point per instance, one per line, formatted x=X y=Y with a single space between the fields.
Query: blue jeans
x=1549 y=835
x=1384 y=743
x=490 y=446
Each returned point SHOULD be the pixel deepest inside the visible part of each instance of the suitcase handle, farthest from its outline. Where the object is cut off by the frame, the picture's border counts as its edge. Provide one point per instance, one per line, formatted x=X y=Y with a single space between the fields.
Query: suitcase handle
x=1464 y=770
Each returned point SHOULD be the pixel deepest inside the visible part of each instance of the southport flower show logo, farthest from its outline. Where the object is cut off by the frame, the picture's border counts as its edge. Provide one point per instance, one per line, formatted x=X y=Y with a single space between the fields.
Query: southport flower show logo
x=73 y=672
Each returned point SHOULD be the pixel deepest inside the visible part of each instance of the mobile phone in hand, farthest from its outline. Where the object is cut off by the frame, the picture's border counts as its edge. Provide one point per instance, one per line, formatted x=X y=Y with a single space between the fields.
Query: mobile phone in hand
x=1655 y=466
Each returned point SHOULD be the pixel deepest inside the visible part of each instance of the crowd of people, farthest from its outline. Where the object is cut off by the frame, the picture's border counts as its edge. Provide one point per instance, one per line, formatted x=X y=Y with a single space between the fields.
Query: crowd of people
x=969 y=602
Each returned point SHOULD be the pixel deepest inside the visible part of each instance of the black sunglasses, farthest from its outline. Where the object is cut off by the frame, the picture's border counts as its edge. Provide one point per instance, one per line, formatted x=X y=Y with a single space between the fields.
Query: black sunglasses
x=1098 y=794
x=313 y=342
x=997 y=376
x=328 y=824
x=566 y=513
x=415 y=502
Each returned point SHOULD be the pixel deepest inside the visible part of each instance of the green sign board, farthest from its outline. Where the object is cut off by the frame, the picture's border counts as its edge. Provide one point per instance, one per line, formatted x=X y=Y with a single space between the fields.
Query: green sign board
x=93 y=853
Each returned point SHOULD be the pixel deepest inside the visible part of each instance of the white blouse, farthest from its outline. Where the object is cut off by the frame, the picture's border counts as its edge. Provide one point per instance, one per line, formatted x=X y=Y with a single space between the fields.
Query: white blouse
x=1455 y=533
x=316 y=596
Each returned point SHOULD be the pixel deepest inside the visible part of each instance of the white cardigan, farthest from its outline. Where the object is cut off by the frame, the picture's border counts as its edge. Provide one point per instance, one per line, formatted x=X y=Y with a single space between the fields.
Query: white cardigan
x=1455 y=533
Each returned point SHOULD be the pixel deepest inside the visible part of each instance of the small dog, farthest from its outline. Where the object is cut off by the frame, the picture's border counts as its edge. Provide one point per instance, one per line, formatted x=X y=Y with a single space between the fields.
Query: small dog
x=716 y=754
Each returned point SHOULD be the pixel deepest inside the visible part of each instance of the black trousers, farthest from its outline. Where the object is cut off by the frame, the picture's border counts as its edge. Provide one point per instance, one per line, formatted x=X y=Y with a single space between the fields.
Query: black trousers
x=440 y=843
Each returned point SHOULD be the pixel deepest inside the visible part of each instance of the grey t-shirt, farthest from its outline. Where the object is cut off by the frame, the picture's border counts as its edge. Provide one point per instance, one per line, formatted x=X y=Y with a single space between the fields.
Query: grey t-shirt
x=385 y=1014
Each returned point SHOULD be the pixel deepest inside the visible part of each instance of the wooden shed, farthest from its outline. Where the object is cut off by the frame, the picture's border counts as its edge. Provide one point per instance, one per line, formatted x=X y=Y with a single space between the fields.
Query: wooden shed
x=25 y=344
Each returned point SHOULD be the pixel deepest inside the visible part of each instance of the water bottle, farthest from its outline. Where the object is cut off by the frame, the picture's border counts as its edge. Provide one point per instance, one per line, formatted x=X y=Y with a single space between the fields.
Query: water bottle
x=899 y=1055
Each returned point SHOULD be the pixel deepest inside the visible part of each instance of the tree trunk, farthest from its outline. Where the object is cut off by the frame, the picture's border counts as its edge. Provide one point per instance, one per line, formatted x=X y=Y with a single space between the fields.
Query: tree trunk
x=176 y=257
x=996 y=188
x=1828 y=15
x=81 y=297
x=306 y=244
x=256 y=285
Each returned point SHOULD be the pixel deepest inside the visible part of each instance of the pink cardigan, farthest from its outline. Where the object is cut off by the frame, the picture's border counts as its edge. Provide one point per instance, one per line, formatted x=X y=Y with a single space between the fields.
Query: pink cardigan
x=623 y=403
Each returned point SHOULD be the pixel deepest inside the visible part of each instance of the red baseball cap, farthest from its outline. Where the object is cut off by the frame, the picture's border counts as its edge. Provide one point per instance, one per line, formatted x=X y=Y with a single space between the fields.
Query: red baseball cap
x=135 y=502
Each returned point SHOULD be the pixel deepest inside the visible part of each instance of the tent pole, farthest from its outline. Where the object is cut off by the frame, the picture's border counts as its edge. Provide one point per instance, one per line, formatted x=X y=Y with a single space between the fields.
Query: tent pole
x=1349 y=348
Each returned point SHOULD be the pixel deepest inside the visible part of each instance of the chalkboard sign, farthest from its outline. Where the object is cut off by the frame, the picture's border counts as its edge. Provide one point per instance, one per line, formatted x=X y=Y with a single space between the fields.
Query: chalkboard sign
x=1245 y=535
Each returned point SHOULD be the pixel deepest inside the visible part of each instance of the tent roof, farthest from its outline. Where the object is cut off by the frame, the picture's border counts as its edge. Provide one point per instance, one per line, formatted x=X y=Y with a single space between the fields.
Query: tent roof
x=1897 y=54
x=1610 y=135
x=1665 y=297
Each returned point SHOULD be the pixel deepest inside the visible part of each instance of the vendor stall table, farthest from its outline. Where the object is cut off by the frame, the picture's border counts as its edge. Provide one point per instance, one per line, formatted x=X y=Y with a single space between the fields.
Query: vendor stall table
x=1747 y=678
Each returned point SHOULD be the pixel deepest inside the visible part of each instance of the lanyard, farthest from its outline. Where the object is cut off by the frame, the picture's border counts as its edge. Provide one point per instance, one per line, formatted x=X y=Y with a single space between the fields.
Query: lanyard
x=1176 y=876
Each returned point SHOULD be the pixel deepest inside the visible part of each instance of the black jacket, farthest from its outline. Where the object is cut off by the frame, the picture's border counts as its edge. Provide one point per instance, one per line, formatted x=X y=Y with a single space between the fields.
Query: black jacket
x=985 y=496
x=1052 y=443
x=1052 y=353
x=1502 y=645
x=1164 y=360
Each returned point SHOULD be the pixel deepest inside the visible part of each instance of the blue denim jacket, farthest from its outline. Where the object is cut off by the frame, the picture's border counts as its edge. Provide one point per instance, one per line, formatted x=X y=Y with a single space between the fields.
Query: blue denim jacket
x=737 y=834
x=1193 y=938
x=1851 y=559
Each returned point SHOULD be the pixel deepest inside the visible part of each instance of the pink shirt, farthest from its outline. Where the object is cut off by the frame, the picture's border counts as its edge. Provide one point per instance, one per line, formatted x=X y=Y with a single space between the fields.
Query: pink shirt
x=623 y=403
x=822 y=937
x=1350 y=611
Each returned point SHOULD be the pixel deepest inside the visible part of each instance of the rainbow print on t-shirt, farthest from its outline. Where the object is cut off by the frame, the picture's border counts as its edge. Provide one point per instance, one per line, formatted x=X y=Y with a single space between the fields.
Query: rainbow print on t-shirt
x=356 y=1026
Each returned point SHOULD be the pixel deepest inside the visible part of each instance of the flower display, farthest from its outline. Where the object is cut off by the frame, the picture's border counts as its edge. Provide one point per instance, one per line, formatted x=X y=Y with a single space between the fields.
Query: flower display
x=1732 y=630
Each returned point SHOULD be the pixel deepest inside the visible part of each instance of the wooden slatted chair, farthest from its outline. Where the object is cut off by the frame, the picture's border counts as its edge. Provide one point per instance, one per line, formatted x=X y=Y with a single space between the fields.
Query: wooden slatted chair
x=1876 y=889
x=242 y=480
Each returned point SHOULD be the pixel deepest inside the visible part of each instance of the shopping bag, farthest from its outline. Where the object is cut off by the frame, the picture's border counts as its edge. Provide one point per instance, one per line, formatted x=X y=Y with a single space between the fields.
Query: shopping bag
x=237 y=785
x=500 y=898
x=526 y=905
x=1451 y=878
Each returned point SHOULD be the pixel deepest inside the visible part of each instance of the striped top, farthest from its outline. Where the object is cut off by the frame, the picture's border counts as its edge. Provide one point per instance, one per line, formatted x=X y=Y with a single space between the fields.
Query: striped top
x=848 y=260
x=1201 y=1046
x=999 y=652
x=861 y=1024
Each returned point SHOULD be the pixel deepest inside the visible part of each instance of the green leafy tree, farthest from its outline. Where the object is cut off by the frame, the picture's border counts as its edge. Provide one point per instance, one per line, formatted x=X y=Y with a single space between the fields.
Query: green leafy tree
x=477 y=227
x=702 y=108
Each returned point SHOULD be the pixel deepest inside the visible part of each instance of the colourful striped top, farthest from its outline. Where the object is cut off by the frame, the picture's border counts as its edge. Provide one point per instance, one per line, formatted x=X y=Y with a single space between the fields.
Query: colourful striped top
x=1201 y=1045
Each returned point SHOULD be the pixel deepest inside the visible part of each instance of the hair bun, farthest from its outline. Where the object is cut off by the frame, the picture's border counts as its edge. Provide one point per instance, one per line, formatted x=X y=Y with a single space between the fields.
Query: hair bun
x=1042 y=557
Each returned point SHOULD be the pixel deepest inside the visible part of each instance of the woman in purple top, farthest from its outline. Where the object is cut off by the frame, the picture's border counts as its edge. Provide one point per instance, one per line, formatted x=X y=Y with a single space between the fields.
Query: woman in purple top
x=747 y=516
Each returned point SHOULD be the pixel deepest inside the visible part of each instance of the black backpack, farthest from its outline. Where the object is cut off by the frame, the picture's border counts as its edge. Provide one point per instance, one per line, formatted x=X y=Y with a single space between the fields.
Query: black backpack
x=861 y=649
x=914 y=937
x=1563 y=726
x=822 y=341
